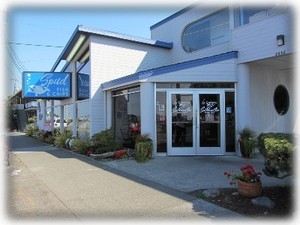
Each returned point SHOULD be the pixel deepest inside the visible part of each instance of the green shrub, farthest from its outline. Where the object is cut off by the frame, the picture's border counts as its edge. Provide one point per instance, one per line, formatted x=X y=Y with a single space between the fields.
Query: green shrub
x=143 y=138
x=40 y=135
x=280 y=136
x=143 y=151
x=104 y=141
x=31 y=130
x=247 y=141
x=60 y=139
x=277 y=149
x=32 y=119
x=50 y=139
x=143 y=148
x=81 y=146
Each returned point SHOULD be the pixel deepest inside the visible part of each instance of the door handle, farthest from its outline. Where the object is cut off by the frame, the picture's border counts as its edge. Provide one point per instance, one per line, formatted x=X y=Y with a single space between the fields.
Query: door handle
x=197 y=119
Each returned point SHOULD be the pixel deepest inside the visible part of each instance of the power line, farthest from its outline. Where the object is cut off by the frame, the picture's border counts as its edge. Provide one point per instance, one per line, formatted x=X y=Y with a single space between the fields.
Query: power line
x=36 y=45
x=15 y=59
x=14 y=76
x=16 y=64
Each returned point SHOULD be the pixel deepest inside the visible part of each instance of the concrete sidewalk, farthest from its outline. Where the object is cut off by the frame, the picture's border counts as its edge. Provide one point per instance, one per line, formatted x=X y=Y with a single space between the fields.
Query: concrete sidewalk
x=77 y=187
x=191 y=173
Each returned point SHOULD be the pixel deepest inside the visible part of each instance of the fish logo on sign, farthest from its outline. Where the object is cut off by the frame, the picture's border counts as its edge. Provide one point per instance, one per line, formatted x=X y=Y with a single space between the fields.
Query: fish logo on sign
x=38 y=90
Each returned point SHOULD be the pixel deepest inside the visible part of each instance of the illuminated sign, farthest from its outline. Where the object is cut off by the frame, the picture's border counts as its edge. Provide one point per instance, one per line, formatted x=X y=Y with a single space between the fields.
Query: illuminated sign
x=46 y=85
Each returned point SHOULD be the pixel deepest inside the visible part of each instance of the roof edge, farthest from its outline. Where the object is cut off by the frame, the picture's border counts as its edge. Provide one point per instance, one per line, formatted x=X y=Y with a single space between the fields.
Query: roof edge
x=126 y=37
x=94 y=31
x=180 y=12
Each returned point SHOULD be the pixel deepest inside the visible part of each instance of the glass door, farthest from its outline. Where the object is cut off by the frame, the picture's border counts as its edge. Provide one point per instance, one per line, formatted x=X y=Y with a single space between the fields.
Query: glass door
x=181 y=124
x=195 y=123
x=210 y=125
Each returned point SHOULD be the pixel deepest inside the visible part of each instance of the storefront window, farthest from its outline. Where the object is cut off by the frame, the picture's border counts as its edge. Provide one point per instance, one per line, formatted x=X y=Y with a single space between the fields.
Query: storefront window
x=209 y=31
x=127 y=116
x=48 y=119
x=83 y=120
x=68 y=113
x=56 y=117
x=161 y=125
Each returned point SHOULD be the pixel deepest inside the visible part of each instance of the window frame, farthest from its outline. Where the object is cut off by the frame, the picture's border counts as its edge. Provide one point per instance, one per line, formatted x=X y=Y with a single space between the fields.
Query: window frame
x=205 y=19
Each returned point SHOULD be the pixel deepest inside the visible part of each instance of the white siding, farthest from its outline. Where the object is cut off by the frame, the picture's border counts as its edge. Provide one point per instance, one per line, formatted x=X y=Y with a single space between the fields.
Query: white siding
x=147 y=109
x=263 y=116
x=257 y=40
x=172 y=30
x=112 y=58
x=224 y=71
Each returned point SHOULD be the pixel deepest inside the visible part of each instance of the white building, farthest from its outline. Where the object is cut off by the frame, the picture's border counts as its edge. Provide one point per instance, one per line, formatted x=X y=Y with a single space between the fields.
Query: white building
x=206 y=73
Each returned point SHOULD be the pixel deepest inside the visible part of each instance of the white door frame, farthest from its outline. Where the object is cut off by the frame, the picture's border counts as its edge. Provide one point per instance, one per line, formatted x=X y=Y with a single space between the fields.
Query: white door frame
x=195 y=149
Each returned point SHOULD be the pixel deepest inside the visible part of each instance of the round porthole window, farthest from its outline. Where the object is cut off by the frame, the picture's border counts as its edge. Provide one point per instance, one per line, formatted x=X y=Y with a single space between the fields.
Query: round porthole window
x=281 y=100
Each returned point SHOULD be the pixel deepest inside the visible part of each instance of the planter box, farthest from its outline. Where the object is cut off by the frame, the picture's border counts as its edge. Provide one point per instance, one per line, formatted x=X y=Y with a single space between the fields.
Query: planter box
x=249 y=189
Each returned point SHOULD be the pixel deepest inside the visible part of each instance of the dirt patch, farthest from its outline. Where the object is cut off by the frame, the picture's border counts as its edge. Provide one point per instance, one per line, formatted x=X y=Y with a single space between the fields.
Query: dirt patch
x=282 y=196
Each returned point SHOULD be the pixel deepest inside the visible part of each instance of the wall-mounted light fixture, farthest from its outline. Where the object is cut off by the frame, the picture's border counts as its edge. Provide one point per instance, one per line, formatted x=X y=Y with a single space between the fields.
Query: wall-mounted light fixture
x=280 y=40
x=76 y=47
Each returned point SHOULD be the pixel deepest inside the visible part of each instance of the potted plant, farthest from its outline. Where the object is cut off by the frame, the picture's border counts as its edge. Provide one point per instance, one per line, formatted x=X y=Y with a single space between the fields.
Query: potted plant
x=247 y=142
x=248 y=181
x=143 y=148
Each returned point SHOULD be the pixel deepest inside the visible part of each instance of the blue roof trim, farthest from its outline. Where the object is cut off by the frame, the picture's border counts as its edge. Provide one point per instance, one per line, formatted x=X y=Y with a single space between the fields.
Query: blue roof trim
x=172 y=16
x=168 y=69
x=157 y=43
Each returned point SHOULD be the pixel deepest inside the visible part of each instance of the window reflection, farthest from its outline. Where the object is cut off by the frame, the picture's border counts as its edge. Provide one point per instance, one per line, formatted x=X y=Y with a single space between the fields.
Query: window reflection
x=247 y=15
x=209 y=31
x=161 y=119
x=68 y=113
x=83 y=120
x=182 y=120
x=126 y=121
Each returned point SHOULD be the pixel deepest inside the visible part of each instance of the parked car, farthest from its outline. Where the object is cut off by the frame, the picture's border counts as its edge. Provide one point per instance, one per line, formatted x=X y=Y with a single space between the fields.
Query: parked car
x=57 y=122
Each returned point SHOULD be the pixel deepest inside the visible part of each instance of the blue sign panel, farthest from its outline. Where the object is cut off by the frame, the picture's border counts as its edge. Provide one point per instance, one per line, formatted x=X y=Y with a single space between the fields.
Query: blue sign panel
x=46 y=85
x=83 y=86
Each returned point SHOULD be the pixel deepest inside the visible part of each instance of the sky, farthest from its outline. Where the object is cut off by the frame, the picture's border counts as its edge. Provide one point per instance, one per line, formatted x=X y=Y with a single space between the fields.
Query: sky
x=36 y=36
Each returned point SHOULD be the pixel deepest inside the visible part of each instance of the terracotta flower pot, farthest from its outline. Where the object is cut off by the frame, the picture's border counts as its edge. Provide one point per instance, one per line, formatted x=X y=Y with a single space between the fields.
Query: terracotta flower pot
x=249 y=189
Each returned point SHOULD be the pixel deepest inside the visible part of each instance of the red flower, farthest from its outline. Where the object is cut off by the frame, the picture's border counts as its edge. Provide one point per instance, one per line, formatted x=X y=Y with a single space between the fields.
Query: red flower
x=248 y=175
x=89 y=152
x=119 y=154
